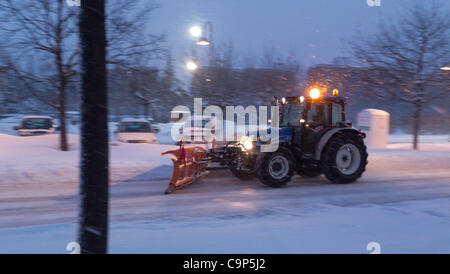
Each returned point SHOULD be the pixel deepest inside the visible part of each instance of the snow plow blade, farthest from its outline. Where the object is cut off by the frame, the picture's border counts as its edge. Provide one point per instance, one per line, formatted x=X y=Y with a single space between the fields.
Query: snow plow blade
x=188 y=165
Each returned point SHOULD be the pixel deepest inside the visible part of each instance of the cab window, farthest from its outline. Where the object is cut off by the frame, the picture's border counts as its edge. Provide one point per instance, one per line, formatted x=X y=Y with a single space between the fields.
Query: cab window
x=318 y=114
x=336 y=113
x=292 y=113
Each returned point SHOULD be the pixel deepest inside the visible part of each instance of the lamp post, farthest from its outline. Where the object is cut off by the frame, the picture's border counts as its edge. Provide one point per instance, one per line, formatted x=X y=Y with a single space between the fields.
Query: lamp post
x=205 y=40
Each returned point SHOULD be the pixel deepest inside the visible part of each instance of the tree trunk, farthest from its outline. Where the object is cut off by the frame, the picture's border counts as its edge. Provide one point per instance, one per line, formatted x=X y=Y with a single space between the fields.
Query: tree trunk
x=416 y=125
x=62 y=119
x=62 y=92
x=146 y=110
x=93 y=216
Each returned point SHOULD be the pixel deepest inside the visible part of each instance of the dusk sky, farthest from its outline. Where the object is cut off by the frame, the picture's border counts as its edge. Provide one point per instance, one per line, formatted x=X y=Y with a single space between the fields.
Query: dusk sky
x=315 y=30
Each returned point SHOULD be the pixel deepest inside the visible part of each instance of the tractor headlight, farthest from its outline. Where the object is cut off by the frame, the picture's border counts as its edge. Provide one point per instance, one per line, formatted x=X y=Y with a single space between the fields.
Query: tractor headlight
x=246 y=143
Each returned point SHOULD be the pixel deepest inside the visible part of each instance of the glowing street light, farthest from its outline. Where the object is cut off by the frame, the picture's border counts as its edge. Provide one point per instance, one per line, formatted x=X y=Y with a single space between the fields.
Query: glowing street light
x=446 y=68
x=203 y=42
x=205 y=38
x=191 y=65
x=196 y=31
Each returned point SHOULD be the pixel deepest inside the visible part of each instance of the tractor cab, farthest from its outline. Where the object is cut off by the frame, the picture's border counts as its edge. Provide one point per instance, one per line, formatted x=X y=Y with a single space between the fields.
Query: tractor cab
x=310 y=117
x=312 y=113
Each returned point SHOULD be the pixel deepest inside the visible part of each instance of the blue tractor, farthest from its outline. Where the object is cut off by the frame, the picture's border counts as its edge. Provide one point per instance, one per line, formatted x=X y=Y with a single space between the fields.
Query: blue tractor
x=314 y=139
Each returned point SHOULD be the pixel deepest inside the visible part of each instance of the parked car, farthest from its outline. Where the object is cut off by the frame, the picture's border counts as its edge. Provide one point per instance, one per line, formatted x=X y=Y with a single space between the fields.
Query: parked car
x=136 y=131
x=35 y=125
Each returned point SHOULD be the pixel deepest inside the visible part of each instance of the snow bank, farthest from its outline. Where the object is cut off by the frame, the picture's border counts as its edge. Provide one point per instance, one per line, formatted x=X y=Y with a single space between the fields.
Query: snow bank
x=36 y=159
x=7 y=124
x=408 y=138
x=164 y=135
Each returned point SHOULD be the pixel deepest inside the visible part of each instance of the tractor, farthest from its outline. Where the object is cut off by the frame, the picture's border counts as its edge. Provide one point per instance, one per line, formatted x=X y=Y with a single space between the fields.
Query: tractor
x=314 y=139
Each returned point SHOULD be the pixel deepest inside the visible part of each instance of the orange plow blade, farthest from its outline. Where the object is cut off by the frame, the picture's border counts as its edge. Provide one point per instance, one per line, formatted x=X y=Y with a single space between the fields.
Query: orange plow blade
x=188 y=164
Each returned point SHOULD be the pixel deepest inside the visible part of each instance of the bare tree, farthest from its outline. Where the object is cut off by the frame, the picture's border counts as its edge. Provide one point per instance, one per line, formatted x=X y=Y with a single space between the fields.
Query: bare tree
x=143 y=84
x=93 y=229
x=402 y=60
x=45 y=28
x=48 y=29
x=129 y=46
x=156 y=91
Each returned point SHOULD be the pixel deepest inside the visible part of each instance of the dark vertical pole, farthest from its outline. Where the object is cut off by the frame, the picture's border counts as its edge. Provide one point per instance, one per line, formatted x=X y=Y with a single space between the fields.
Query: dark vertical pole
x=93 y=217
x=211 y=53
x=416 y=125
x=146 y=104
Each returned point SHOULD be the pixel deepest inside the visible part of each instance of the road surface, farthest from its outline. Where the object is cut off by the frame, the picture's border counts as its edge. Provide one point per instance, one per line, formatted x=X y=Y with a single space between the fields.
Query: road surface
x=393 y=175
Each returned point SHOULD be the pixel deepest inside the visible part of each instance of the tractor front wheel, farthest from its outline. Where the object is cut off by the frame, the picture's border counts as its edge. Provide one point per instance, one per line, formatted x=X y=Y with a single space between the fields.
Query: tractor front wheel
x=344 y=158
x=275 y=169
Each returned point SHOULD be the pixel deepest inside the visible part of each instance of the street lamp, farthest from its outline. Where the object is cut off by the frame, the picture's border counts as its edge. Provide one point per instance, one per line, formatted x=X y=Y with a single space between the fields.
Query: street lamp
x=196 y=31
x=191 y=65
x=205 y=40
x=446 y=68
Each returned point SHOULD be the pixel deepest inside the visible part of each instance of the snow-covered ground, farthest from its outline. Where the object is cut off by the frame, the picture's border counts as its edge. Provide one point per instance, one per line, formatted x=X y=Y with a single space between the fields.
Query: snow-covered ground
x=36 y=160
x=402 y=202
x=408 y=138
x=401 y=227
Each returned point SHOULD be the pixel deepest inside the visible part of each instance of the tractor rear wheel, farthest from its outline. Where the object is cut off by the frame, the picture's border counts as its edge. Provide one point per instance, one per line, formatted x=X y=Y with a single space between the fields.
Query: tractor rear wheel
x=275 y=169
x=242 y=174
x=344 y=158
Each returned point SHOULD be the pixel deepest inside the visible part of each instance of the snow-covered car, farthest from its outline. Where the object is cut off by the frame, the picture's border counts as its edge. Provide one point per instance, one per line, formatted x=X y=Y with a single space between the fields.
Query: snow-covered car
x=196 y=130
x=35 y=125
x=136 y=131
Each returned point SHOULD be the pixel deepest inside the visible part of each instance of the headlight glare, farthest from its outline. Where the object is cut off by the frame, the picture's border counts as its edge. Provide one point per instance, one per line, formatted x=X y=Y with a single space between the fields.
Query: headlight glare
x=246 y=142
